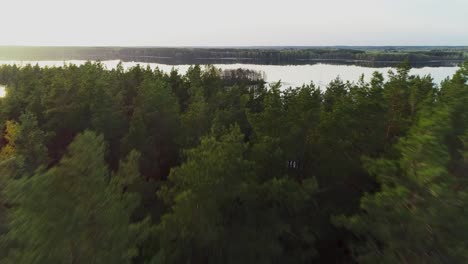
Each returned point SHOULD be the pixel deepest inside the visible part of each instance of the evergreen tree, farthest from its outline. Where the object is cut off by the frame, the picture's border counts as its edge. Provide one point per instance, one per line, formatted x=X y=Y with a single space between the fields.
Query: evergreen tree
x=73 y=212
x=418 y=215
x=154 y=128
x=195 y=121
x=30 y=144
x=220 y=212
x=391 y=154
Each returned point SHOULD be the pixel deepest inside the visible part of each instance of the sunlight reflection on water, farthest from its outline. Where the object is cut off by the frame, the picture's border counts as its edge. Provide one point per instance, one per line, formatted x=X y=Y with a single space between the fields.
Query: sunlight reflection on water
x=290 y=75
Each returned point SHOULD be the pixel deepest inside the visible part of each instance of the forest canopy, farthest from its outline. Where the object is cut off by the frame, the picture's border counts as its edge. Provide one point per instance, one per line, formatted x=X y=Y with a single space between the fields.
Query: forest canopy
x=141 y=166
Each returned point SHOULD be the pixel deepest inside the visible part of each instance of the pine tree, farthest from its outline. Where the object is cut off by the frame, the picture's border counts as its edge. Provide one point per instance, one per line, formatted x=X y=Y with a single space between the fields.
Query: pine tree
x=195 y=121
x=154 y=128
x=418 y=216
x=220 y=213
x=30 y=143
x=11 y=134
x=74 y=212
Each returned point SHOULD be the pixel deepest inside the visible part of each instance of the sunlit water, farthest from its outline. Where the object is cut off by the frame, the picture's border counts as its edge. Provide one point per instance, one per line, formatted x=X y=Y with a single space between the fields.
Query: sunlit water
x=289 y=75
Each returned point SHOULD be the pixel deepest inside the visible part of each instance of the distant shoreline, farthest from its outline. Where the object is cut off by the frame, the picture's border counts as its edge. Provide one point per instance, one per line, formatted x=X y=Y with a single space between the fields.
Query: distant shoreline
x=364 y=56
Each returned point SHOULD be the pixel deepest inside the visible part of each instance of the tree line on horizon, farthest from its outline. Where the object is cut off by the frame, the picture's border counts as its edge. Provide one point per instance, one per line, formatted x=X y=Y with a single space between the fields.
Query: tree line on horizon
x=142 y=166
x=373 y=56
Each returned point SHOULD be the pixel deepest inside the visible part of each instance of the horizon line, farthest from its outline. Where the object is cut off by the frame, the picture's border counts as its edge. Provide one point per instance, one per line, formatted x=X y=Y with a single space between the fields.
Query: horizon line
x=228 y=46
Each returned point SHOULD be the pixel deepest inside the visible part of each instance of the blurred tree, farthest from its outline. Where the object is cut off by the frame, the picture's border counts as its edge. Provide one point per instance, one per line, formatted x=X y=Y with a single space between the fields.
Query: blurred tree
x=74 y=212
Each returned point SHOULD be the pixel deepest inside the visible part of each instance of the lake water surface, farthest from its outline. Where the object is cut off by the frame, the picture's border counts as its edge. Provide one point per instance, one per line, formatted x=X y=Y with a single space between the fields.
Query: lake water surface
x=290 y=75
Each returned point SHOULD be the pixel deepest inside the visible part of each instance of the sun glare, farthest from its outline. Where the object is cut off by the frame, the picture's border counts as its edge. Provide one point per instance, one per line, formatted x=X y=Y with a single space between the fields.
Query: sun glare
x=2 y=91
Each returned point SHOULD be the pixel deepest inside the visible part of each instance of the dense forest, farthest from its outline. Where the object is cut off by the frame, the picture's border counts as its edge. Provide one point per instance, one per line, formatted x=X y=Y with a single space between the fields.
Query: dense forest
x=140 y=166
x=366 y=56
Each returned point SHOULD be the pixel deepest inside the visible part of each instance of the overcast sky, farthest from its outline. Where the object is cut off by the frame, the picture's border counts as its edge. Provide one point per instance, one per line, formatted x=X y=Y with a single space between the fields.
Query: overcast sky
x=233 y=23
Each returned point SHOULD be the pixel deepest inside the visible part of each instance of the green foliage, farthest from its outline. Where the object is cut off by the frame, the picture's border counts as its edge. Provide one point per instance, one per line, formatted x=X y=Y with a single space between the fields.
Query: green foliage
x=195 y=120
x=73 y=212
x=220 y=212
x=30 y=144
x=154 y=127
x=418 y=215
x=229 y=170
x=11 y=135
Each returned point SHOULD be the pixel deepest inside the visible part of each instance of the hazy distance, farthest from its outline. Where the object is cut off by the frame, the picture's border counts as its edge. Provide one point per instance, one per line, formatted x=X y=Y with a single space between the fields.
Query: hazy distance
x=233 y=23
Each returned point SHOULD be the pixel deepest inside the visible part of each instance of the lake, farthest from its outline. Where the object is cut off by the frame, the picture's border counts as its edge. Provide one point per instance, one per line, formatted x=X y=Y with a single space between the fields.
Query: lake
x=290 y=75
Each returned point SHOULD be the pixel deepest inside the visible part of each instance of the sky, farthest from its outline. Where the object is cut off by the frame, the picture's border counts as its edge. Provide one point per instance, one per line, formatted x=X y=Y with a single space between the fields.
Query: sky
x=233 y=23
